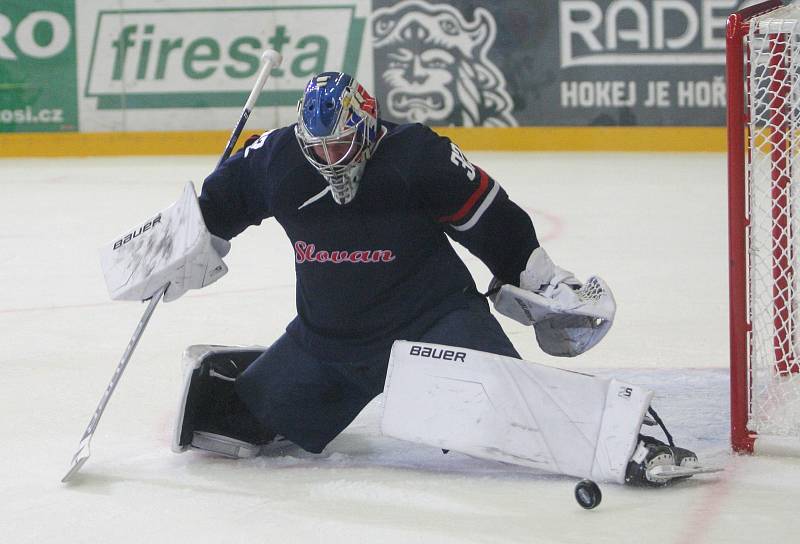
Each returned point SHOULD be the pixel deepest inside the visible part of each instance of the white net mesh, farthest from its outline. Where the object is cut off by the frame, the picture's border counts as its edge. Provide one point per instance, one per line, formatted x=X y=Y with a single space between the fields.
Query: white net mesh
x=591 y=291
x=773 y=75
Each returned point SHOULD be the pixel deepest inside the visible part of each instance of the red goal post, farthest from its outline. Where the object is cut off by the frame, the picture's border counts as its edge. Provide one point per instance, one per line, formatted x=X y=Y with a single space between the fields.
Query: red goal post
x=763 y=75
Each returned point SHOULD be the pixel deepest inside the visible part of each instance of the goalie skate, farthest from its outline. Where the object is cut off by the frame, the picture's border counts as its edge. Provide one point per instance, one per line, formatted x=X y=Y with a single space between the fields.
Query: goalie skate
x=663 y=474
x=657 y=464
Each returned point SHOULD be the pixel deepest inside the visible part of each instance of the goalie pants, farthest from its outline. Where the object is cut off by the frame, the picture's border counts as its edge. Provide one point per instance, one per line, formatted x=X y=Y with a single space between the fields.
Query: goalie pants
x=310 y=400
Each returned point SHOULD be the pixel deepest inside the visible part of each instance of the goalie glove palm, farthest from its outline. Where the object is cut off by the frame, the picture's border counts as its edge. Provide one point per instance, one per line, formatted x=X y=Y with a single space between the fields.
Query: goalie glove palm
x=541 y=275
x=568 y=318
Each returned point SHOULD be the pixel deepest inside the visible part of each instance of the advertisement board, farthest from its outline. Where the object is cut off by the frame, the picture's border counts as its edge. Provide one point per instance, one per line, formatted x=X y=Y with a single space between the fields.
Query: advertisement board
x=141 y=66
x=38 y=91
x=190 y=65
x=552 y=62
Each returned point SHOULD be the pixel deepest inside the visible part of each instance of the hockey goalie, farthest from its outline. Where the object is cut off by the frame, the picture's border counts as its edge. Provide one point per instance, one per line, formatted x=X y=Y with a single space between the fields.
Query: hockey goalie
x=385 y=305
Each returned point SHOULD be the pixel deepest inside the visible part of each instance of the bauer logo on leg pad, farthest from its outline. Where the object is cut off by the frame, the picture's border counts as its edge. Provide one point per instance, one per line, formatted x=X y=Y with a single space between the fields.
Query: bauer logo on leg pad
x=433 y=353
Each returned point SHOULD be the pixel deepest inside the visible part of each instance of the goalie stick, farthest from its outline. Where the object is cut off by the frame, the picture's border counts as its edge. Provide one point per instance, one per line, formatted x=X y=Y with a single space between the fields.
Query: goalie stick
x=83 y=452
x=271 y=59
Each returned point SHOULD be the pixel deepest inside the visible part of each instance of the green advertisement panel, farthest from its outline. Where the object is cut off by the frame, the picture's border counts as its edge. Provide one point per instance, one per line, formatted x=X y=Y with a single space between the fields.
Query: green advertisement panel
x=38 y=67
x=208 y=57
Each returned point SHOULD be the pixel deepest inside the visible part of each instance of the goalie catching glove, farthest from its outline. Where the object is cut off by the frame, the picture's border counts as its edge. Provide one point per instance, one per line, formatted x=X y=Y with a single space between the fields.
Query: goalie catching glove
x=568 y=317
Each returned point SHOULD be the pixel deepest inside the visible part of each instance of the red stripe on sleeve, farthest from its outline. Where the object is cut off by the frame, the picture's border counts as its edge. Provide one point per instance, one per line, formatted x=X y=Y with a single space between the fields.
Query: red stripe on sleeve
x=471 y=201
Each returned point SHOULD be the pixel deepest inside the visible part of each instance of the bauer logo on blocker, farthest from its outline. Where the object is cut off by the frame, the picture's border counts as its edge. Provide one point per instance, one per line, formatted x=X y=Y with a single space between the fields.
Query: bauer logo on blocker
x=208 y=57
x=138 y=232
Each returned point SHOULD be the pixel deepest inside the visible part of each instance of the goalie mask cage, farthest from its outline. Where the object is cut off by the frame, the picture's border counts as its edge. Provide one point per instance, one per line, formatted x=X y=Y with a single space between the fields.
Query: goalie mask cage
x=763 y=74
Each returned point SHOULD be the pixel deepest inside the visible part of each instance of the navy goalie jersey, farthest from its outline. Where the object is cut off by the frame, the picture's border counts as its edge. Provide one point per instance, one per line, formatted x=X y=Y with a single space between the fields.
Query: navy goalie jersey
x=369 y=269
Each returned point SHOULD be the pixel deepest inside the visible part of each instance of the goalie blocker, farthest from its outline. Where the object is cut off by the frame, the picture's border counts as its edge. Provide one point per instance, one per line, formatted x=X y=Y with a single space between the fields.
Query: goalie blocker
x=172 y=248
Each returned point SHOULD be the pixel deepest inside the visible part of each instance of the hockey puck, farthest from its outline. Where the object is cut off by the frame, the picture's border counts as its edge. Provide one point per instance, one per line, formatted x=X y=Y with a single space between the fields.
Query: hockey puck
x=588 y=494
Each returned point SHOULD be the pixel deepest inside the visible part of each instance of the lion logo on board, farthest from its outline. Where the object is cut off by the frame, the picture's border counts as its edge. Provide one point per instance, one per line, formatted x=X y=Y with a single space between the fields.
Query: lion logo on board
x=434 y=66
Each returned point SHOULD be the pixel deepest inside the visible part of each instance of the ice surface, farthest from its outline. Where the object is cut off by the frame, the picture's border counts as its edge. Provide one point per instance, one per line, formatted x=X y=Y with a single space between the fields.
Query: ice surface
x=652 y=225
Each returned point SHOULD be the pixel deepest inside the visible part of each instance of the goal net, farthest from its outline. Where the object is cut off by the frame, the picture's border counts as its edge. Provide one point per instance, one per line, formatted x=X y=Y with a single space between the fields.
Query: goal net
x=764 y=211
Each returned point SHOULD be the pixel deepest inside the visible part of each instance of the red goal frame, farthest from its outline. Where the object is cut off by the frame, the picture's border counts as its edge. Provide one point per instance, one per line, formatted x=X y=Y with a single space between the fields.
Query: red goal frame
x=738 y=24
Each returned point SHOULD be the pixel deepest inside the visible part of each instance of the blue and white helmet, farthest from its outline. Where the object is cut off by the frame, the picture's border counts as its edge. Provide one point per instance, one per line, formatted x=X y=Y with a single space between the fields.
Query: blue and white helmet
x=337 y=128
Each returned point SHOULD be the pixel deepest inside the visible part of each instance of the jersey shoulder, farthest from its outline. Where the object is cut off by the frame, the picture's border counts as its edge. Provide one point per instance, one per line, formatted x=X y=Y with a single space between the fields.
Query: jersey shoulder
x=274 y=156
x=412 y=135
x=416 y=144
x=272 y=145
x=454 y=190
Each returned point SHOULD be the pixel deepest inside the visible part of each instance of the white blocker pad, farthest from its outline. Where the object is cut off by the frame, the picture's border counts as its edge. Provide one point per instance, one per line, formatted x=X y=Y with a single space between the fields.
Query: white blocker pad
x=505 y=409
x=172 y=247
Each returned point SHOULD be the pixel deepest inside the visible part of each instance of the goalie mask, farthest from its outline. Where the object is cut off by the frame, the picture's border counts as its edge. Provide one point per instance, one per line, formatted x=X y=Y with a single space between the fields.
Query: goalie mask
x=337 y=129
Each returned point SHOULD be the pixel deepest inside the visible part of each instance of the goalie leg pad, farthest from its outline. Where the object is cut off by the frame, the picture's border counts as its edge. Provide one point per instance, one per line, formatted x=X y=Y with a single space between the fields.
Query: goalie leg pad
x=510 y=410
x=210 y=415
